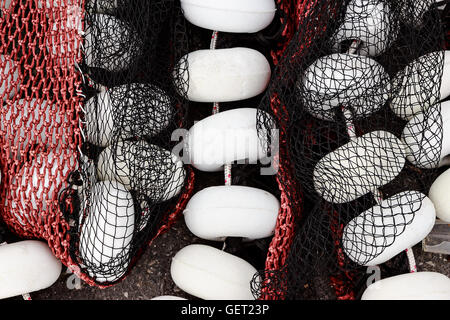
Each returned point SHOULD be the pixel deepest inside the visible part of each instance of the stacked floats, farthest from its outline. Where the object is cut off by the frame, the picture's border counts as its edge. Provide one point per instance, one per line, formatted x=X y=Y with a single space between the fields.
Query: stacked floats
x=129 y=175
x=214 y=213
x=351 y=86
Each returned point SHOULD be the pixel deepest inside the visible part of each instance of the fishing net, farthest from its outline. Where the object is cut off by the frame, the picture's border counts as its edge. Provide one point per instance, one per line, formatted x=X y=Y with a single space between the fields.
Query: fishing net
x=90 y=105
x=359 y=89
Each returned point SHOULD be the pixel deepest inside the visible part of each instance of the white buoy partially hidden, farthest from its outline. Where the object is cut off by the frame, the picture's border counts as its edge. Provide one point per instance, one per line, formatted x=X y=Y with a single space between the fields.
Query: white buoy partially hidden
x=230 y=16
x=360 y=83
x=211 y=274
x=9 y=78
x=142 y=167
x=359 y=167
x=427 y=136
x=38 y=183
x=110 y=43
x=218 y=212
x=224 y=138
x=413 y=87
x=369 y=21
x=410 y=286
x=27 y=266
x=224 y=75
x=385 y=230
x=439 y=195
x=125 y=111
x=107 y=230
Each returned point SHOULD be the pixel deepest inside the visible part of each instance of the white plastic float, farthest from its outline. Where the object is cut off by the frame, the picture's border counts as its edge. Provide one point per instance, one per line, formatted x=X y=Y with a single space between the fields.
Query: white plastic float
x=230 y=16
x=359 y=167
x=101 y=116
x=119 y=163
x=218 y=212
x=369 y=21
x=427 y=136
x=225 y=137
x=167 y=298
x=27 y=266
x=344 y=79
x=26 y=123
x=116 y=43
x=224 y=75
x=410 y=286
x=439 y=195
x=30 y=193
x=9 y=77
x=107 y=230
x=385 y=230
x=411 y=86
x=211 y=274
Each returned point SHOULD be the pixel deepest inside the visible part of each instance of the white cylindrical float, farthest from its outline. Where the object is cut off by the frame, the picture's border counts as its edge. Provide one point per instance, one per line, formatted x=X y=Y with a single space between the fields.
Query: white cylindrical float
x=427 y=136
x=439 y=195
x=27 y=266
x=211 y=274
x=410 y=286
x=359 y=167
x=224 y=75
x=385 y=230
x=215 y=213
x=135 y=109
x=413 y=86
x=38 y=183
x=369 y=21
x=167 y=298
x=230 y=16
x=141 y=166
x=224 y=138
x=357 y=82
x=106 y=232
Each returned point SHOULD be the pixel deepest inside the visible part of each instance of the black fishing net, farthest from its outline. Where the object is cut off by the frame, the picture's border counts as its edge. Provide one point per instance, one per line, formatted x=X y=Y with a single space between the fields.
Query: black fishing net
x=360 y=84
x=129 y=179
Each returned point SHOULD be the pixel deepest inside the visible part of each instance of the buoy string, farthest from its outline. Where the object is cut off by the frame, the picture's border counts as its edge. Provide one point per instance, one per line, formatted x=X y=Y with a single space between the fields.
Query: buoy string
x=25 y=296
x=216 y=109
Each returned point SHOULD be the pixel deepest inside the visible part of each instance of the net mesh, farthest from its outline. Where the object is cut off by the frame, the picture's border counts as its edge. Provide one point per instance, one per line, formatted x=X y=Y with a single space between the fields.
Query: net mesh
x=90 y=104
x=359 y=88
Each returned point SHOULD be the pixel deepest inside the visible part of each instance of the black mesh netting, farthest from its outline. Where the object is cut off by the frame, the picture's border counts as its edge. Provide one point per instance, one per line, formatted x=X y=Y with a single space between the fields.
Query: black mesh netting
x=129 y=179
x=361 y=86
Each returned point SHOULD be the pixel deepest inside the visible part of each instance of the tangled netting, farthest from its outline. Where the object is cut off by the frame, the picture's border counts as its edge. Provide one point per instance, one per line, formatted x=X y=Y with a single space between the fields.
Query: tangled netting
x=359 y=86
x=89 y=107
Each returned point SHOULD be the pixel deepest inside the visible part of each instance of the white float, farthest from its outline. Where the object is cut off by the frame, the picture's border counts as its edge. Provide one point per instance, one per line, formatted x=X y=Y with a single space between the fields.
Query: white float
x=25 y=123
x=383 y=231
x=211 y=274
x=427 y=136
x=9 y=77
x=230 y=16
x=167 y=298
x=30 y=194
x=137 y=108
x=27 y=266
x=224 y=75
x=410 y=286
x=224 y=138
x=440 y=197
x=143 y=167
x=110 y=43
x=359 y=167
x=369 y=21
x=218 y=212
x=107 y=230
x=412 y=86
x=357 y=82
